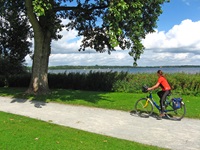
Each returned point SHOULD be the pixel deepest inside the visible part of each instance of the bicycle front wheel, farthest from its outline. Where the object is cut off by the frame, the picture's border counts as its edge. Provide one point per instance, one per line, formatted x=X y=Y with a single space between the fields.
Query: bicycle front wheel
x=144 y=107
x=175 y=114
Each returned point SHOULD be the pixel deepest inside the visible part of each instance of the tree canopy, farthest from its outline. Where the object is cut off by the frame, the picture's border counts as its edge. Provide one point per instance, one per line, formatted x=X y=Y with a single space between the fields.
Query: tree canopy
x=103 y=24
x=14 y=32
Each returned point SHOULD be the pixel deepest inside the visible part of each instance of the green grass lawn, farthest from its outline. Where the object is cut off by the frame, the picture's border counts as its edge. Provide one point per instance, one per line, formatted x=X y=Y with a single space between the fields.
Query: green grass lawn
x=22 y=133
x=108 y=100
x=18 y=132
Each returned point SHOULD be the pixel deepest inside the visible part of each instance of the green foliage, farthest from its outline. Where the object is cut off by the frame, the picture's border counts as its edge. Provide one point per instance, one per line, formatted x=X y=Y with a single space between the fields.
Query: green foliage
x=13 y=40
x=40 y=6
x=182 y=83
x=134 y=82
x=185 y=83
x=15 y=80
x=95 y=81
x=20 y=80
x=129 y=21
x=2 y=81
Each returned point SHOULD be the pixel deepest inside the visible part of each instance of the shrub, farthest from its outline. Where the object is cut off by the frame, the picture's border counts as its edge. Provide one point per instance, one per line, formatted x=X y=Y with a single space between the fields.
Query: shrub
x=2 y=81
x=111 y=81
x=20 y=80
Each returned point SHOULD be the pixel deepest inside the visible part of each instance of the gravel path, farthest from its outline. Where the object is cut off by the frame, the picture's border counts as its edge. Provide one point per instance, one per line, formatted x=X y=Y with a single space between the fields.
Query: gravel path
x=176 y=135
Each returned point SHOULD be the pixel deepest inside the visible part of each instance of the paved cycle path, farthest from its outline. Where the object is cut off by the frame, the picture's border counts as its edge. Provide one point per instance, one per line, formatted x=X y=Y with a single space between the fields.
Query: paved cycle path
x=176 y=135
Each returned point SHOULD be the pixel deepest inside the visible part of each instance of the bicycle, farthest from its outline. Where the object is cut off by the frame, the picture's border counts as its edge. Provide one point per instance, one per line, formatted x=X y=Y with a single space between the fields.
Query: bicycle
x=144 y=107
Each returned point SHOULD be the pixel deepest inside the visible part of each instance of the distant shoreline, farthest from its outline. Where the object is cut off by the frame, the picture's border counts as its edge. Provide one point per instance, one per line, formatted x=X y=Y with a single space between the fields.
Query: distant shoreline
x=105 y=67
x=64 y=67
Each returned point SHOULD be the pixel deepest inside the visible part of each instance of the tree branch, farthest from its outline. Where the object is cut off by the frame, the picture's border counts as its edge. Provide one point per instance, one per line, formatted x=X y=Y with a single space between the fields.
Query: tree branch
x=31 y=15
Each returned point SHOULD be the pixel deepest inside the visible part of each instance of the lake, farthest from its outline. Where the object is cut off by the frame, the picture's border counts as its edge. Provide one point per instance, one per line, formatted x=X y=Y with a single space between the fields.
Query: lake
x=189 y=70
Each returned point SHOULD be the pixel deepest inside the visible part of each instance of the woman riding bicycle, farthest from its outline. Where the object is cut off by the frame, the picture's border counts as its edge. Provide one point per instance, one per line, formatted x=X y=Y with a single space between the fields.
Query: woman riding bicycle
x=166 y=90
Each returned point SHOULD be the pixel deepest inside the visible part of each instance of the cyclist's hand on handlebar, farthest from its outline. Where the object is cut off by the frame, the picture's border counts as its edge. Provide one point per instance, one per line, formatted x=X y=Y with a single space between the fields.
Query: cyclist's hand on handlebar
x=149 y=89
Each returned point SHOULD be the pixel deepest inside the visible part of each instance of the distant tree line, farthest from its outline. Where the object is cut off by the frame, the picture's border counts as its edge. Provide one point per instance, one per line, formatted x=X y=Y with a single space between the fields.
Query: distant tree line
x=105 y=67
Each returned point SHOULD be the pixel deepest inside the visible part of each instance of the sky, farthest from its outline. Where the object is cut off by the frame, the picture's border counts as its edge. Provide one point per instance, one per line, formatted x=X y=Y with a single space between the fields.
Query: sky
x=176 y=41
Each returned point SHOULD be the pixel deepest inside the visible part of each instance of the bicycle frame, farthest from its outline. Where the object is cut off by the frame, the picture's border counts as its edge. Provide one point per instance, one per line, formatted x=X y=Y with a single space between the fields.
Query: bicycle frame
x=153 y=101
x=150 y=98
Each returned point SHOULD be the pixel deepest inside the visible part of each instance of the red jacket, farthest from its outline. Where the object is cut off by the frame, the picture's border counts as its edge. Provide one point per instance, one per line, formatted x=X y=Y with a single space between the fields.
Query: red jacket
x=164 y=84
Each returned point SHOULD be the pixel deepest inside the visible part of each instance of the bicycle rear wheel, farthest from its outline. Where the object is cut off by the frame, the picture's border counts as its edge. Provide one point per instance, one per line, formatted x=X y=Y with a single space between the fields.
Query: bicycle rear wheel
x=175 y=114
x=144 y=107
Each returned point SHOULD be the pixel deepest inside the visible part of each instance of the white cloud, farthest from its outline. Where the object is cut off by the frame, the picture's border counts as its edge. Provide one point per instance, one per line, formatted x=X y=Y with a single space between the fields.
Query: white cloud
x=178 y=46
x=68 y=44
x=185 y=35
x=86 y=58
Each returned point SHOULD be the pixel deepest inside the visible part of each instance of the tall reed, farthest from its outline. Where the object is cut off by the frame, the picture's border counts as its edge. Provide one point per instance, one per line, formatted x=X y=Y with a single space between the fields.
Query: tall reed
x=112 y=81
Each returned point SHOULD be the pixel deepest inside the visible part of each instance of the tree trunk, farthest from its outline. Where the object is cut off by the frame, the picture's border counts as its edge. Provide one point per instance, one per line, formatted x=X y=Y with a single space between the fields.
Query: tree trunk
x=39 y=79
x=42 y=42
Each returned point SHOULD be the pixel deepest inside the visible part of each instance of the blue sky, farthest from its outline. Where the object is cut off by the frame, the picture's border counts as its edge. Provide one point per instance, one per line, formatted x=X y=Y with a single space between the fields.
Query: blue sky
x=175 y=42
x=177 y=11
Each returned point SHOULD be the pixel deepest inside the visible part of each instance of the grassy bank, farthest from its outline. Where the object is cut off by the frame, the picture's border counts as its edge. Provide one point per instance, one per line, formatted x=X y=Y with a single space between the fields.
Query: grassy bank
x=22 y=133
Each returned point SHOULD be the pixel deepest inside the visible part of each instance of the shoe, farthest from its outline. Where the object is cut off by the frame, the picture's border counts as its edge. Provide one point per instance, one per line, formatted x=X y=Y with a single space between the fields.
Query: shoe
x=160 y=116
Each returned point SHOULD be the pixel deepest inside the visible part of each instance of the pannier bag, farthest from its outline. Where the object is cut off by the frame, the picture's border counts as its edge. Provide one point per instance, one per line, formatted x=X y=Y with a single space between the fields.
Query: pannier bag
x=177 y=103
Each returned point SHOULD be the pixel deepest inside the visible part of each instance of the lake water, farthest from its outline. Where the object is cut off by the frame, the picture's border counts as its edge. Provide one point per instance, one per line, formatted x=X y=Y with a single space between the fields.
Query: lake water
x=189 y=70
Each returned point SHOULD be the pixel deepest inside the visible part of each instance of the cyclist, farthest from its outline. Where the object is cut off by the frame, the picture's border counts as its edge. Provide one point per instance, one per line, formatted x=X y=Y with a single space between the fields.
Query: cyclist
x=166 y=90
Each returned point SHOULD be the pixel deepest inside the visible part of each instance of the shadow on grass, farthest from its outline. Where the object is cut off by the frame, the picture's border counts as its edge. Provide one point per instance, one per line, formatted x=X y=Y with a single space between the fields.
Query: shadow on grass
x=57 y=95
x=76 y=95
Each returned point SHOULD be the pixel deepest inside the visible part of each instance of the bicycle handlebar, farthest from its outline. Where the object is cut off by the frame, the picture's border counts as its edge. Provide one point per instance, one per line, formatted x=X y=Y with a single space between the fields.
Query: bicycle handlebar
x=144 y=89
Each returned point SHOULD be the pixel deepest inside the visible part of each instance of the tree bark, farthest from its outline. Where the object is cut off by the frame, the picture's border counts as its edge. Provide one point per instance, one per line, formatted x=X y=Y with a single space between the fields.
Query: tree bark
x=42 y=42
x=39 y=79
